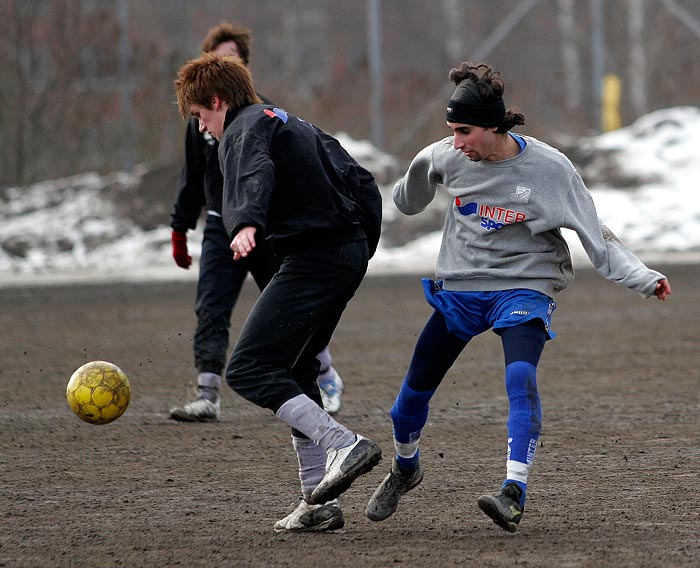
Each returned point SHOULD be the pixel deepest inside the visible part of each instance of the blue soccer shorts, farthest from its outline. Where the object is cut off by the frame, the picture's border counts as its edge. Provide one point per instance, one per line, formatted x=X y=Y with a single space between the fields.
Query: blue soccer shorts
x=467 y=314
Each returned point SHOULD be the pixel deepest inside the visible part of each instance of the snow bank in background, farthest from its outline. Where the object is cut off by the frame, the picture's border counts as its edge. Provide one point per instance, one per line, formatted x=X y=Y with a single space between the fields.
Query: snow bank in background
x=644 y=179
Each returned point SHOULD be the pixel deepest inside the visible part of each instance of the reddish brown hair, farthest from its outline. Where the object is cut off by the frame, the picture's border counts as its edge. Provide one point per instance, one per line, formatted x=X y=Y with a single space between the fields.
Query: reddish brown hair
x=200 y=79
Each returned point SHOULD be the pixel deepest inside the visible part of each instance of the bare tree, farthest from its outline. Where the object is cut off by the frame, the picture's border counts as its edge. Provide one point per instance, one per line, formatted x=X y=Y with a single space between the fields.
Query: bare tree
x=67 y=100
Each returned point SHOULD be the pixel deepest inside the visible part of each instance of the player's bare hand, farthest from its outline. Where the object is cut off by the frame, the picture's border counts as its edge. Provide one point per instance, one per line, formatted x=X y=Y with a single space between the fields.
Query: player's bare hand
x=663 y=290
x=243 y=243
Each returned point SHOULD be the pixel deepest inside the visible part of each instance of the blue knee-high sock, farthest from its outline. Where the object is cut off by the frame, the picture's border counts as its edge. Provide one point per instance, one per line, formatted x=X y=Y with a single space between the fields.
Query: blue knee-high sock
x=524 y=421
x=409 y=414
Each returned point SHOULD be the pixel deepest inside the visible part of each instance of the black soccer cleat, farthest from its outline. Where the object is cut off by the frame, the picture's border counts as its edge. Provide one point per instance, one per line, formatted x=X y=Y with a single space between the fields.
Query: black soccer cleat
x=385 y=499
x=504 y=507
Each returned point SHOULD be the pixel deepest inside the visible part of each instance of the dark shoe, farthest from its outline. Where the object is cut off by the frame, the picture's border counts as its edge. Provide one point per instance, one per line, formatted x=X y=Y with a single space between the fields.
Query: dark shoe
x=385 y=499
x=504 y=508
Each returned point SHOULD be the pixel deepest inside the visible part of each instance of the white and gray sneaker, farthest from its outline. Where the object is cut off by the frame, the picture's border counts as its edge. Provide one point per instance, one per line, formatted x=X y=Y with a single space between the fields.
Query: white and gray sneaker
x=344 y=466
x=199 y=410
x=331 y=386
x=313 y=518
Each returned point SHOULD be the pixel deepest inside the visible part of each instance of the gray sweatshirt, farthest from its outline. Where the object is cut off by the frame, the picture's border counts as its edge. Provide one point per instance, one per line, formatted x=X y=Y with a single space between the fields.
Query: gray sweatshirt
x=502 y=230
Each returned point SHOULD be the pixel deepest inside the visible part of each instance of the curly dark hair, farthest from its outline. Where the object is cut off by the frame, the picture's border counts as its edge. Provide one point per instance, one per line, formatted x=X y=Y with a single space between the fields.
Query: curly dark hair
x=485 y=85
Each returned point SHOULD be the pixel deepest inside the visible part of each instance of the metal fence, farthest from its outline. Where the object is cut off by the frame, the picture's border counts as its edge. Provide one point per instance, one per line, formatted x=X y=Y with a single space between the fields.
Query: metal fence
x=87 y=84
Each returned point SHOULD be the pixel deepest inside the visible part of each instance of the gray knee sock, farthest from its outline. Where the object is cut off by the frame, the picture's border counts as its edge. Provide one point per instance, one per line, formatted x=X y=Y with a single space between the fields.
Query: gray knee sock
x=208 y=386
x=324 y=357
x=308 y=417
x=312 y=464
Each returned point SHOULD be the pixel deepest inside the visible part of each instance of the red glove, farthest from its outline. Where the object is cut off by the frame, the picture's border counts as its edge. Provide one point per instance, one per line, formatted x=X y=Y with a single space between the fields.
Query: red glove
x=179 y=240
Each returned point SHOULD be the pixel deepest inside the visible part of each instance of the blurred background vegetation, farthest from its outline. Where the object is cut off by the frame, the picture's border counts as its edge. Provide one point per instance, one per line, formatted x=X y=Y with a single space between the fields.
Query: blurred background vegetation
x=87 y=85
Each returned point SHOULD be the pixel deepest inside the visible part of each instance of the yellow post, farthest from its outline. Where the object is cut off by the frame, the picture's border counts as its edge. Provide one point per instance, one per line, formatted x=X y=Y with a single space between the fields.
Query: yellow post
x=612 y=91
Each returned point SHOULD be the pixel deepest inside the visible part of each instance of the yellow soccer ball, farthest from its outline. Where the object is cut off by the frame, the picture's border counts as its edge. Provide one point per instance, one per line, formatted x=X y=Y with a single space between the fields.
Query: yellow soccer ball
x=98 y=392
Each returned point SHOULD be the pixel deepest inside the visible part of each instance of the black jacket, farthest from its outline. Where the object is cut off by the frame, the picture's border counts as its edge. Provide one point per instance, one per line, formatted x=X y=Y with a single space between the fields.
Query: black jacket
x=201 y=181
x=294 y=182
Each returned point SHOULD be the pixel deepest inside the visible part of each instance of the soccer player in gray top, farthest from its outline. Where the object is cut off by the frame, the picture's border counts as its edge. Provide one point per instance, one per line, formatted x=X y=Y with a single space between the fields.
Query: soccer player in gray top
x=501 y=263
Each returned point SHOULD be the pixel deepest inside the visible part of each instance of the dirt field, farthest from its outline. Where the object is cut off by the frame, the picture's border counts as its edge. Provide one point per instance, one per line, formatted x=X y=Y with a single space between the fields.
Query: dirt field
x=616 y=479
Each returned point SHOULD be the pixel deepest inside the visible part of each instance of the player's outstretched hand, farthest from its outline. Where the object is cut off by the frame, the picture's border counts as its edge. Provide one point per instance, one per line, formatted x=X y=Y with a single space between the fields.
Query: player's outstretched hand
x=663 y=290
x=243 y=243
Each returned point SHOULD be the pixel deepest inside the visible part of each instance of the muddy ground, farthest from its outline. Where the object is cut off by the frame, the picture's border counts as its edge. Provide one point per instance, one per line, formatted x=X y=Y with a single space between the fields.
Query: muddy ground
x=615 y=481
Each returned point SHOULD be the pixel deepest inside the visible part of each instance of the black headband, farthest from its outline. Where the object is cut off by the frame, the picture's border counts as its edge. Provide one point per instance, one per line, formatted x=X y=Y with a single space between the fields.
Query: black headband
x=477 y=114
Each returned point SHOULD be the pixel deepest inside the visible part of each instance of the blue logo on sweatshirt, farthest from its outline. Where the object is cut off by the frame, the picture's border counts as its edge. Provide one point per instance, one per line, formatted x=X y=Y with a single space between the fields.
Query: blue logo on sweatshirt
x=469 y=209
x=492 y=217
